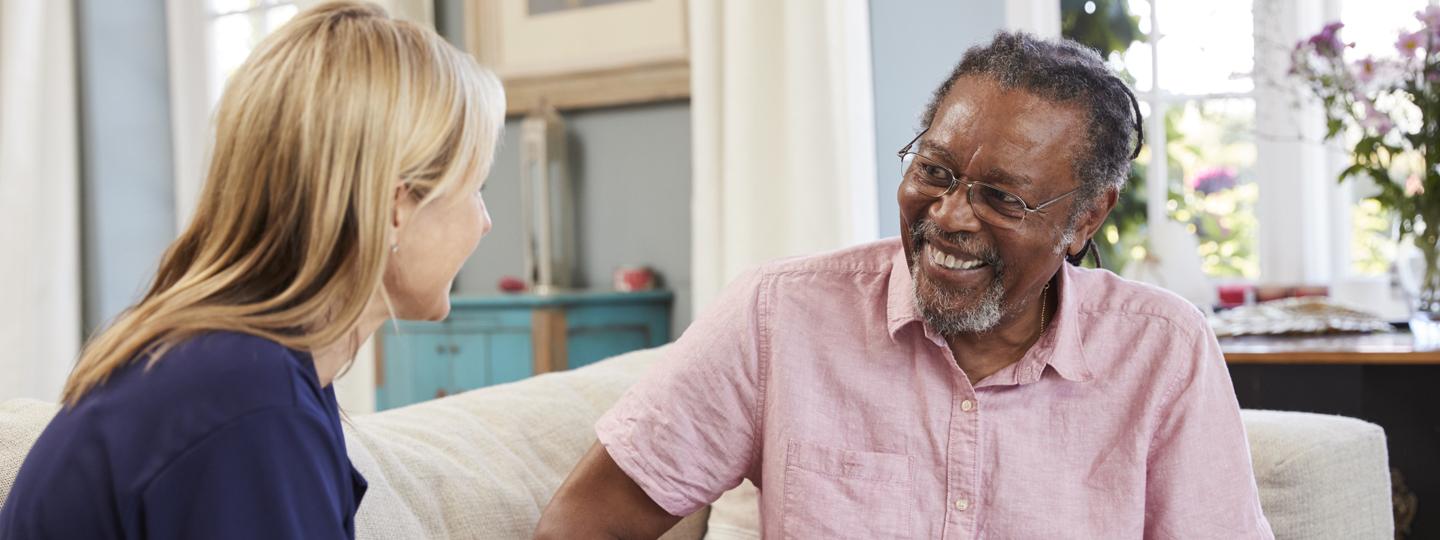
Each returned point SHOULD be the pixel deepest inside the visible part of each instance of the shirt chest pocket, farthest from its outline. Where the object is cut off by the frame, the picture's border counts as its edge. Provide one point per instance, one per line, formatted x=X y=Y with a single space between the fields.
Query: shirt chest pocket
x=839 y=493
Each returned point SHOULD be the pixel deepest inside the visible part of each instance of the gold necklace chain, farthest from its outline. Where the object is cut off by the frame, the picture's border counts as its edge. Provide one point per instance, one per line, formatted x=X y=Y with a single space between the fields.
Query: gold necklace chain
x=1044 y=302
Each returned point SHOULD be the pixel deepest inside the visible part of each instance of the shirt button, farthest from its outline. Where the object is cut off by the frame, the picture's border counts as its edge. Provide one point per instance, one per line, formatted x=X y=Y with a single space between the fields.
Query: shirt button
x=962 y=504
x=966 y=406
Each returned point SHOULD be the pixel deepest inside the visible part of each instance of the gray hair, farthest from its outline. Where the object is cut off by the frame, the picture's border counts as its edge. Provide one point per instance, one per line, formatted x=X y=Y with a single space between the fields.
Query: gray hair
x=1064 y=71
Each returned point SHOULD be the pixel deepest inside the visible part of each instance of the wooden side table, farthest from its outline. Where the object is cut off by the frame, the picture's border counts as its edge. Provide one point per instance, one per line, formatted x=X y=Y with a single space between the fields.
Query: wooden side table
x=499 y=339
x=1396 y=348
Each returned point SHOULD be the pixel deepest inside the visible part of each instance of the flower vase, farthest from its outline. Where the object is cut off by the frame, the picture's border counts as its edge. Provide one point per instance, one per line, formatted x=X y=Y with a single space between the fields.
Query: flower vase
x=1425 y=290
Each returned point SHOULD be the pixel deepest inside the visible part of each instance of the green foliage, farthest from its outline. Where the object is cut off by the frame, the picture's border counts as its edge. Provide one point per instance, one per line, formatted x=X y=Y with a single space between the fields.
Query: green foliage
x=1221 y=228
x=1111 y=30
x=1213 y=150
x=1372 y=221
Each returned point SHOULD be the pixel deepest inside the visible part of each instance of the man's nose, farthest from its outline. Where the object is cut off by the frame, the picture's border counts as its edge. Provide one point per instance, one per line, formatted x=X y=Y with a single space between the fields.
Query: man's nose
x=952 y=212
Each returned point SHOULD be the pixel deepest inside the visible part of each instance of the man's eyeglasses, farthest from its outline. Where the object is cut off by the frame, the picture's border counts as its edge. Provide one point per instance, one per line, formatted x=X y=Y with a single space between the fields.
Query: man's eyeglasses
x=991 y=204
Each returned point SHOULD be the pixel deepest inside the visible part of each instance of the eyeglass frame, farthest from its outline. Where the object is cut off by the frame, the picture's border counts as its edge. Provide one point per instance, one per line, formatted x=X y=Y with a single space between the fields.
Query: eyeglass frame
x=970 y=184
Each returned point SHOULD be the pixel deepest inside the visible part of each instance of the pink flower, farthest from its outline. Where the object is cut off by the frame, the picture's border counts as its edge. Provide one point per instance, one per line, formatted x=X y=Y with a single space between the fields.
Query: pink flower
x=1213 y=179
x=1410 y=42
x=1365 y=69
x=1327 y=41
x=1430 y=16
x=1413 y=186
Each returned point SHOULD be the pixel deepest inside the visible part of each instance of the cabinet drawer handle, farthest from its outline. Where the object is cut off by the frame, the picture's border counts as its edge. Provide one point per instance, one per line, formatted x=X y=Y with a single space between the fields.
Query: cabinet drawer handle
x=454 y=349
x=439 y=349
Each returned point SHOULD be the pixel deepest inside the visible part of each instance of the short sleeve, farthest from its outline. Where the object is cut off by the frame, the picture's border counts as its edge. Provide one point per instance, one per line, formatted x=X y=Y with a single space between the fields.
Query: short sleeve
x=690 y=429
x=1200 y=481
x=274 y=473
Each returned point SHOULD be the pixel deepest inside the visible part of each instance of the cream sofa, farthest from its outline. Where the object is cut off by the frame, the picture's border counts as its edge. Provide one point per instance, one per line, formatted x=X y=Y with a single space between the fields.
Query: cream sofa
x=483 y=464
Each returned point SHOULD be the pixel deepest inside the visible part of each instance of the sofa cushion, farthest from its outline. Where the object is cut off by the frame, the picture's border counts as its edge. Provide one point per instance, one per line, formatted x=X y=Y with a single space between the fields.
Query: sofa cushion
x=483 y=464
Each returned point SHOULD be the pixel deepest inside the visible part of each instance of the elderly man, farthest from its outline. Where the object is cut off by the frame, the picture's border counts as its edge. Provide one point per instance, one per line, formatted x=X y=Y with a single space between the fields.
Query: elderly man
x=961 y=381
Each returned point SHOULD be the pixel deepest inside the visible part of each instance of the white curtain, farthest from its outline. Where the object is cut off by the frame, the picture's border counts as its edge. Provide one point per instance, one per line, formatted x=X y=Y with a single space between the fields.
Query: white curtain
x=39 y=199
x=783 y=133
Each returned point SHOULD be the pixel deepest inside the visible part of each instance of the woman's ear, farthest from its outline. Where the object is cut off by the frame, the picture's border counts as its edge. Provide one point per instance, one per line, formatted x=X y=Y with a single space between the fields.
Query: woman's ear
x=399 y=209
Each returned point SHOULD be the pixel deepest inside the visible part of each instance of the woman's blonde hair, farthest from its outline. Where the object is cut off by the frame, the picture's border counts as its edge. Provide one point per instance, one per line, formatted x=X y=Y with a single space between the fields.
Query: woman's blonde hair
x=314 y=134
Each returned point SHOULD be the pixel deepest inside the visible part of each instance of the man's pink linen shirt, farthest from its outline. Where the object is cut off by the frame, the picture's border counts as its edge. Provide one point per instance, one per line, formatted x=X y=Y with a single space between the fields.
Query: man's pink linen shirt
x=817 y=379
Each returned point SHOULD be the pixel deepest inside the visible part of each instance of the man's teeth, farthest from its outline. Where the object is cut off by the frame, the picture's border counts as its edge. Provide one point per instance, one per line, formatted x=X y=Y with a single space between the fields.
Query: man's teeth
x=949 y=261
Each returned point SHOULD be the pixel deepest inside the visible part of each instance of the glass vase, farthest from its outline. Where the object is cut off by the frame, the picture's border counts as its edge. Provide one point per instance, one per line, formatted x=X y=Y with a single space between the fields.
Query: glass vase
x=1425 y=290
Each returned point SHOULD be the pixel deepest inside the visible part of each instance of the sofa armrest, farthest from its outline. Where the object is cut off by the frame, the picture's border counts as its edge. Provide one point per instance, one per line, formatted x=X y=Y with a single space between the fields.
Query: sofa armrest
x=21 y=421
x=1321 y=476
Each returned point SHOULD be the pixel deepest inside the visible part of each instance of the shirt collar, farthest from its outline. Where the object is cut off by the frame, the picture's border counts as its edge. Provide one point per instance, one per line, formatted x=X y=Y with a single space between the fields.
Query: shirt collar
x=900 y=308
x=1062 y=347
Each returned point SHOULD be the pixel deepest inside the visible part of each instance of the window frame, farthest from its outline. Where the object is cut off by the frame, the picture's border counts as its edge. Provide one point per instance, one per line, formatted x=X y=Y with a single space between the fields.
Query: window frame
x=1316 y=213
x=190 y=25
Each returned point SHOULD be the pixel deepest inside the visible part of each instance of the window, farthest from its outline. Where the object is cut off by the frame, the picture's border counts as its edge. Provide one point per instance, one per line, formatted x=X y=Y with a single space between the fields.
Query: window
x=236 y=27
x=1194 y=80
x=1234 y=155
x=207 y=41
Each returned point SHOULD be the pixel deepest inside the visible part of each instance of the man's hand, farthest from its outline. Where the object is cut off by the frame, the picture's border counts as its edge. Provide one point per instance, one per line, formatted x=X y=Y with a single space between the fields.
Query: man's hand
x=600 y=501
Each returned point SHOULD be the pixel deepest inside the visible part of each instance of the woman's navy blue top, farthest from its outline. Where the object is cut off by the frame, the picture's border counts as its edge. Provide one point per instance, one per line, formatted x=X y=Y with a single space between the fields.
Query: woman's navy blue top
x=226 y=436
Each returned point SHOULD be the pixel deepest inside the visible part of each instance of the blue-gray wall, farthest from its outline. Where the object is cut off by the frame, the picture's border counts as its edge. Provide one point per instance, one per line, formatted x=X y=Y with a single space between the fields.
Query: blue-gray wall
x=915 y=44
x=450 y=20
x=631 y=168
x=127 y=186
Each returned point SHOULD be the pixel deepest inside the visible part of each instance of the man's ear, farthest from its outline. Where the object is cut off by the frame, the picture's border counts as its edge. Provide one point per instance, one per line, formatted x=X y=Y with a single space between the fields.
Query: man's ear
x=1091 y=222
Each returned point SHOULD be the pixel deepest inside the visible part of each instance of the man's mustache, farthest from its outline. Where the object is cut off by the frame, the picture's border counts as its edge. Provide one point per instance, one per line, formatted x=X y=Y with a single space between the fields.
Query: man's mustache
x=966 y=243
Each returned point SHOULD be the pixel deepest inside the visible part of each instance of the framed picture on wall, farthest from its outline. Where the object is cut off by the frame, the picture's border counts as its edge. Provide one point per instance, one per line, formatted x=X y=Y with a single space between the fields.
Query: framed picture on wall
x=575 y=54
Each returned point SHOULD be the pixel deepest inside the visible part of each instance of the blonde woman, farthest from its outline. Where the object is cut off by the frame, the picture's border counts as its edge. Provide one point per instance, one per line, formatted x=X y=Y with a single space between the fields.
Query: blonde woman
x=344 y=189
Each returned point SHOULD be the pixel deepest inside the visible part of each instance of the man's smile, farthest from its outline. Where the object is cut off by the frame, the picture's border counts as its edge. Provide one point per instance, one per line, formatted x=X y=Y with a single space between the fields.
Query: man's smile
x=956 y=267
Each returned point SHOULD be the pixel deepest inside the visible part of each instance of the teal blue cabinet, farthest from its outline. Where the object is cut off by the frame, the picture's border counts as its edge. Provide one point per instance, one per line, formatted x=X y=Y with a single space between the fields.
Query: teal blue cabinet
x=495 y=340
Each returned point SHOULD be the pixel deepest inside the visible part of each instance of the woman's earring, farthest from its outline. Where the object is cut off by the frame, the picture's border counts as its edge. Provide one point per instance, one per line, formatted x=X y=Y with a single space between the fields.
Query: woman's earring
x=395 y=247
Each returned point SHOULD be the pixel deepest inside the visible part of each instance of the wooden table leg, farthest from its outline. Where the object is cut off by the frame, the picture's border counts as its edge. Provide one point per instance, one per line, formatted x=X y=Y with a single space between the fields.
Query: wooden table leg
x=547 y=338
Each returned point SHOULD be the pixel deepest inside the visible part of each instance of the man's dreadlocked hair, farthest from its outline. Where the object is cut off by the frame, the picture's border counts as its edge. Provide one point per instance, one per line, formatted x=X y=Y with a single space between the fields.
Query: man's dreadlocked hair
x=1064 y=71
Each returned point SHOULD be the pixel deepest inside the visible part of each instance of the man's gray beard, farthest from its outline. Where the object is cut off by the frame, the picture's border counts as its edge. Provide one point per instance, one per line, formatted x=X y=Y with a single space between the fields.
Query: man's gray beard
x=980 y=317
x=985 y=314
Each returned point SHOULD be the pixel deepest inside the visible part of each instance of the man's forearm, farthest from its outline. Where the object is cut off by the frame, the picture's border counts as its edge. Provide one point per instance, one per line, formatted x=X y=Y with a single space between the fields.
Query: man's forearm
x=599 y=501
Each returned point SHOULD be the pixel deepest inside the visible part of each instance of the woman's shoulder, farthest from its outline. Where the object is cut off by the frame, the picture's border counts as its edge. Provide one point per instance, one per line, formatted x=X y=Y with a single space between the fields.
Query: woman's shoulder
x=207 y=401
x=203 y=384
x=222 y=374
x=234 y=365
